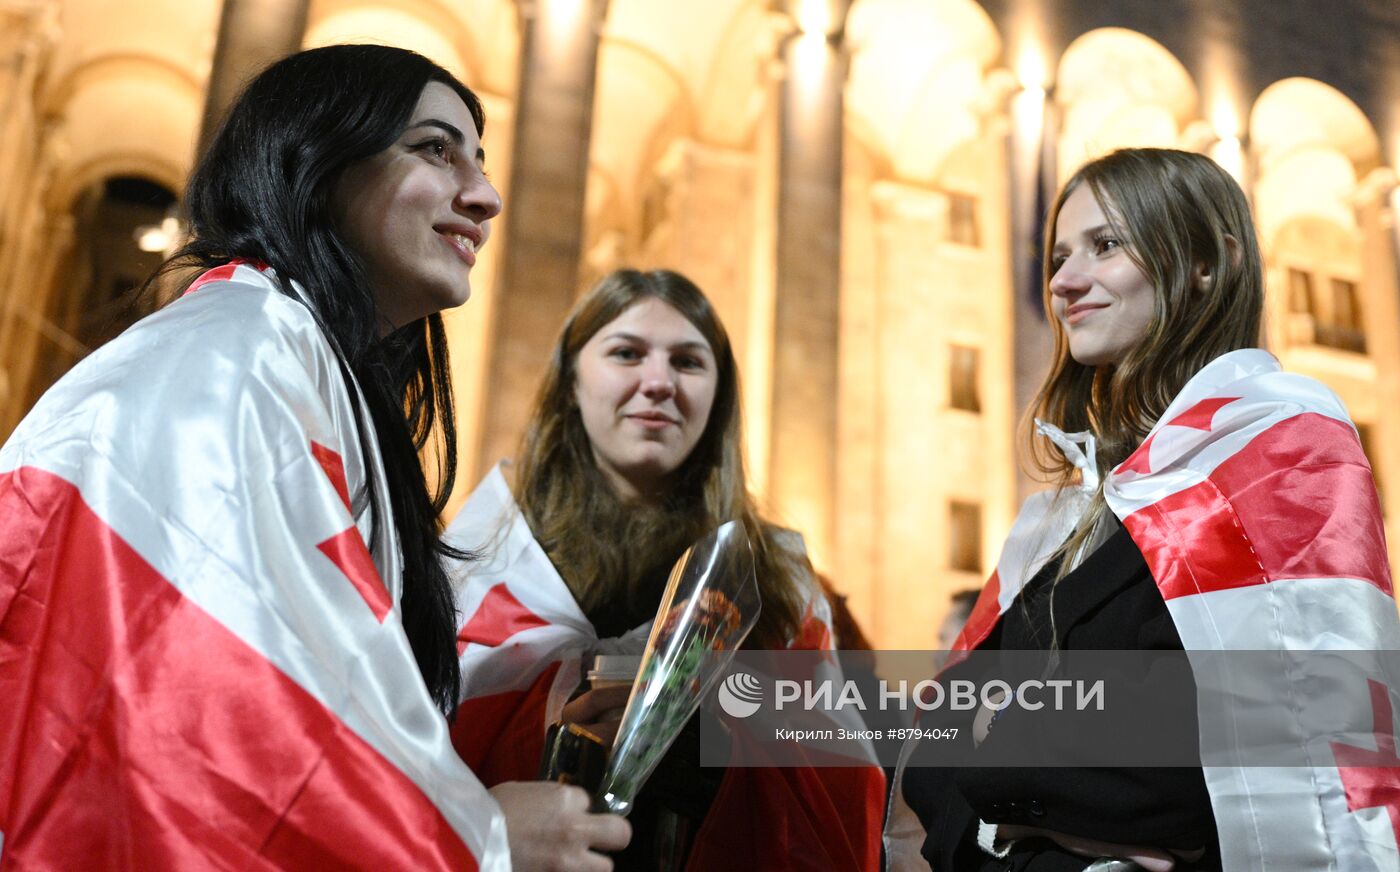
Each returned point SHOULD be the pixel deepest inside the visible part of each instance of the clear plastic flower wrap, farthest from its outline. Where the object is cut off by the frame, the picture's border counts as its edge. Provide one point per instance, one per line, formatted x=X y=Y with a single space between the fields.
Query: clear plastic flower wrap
x=710 y=605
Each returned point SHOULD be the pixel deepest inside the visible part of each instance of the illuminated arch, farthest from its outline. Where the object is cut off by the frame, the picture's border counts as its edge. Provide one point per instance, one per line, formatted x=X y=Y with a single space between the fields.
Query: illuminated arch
x=731 y=95
x=124 y=115
x=918 y=80
x=385 y=25
x=1311 y=145
x=1118 y=88
x=1298 y=113
x=477 y=40
x=656 y=62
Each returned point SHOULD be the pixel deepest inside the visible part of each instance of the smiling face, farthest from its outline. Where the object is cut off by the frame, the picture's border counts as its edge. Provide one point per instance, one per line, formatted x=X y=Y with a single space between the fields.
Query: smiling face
x=1100 y=296
x=645 y=384
x=419 y=211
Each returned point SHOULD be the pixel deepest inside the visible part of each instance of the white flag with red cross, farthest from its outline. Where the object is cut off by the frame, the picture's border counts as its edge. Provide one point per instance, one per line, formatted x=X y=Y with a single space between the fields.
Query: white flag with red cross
x=522 y=639
x=1255 y=509
x=202 y=663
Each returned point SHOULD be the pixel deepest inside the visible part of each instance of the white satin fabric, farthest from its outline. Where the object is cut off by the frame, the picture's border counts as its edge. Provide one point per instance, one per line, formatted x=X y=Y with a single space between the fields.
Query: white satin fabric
x=1279 y=818
x=191 y=436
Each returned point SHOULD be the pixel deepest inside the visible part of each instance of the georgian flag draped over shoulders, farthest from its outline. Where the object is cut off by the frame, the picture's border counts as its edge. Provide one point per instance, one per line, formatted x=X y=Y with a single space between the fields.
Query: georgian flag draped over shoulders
x=1254 y=507
x=201 y=664
x=522 y=641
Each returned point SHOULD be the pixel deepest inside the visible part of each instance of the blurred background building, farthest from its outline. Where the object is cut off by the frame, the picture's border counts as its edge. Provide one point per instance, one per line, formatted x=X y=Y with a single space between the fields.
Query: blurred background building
x=856 y=184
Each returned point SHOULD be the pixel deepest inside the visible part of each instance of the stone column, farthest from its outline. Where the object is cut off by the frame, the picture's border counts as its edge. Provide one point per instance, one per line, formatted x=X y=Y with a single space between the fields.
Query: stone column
x=252 y=35
x=543 y=221
x=35 y=218
x=1032 y=138
x=54 y=244
x=1380 y=284
x=706 y=231
x=30 y=30
x=802 y=453
x=469 y=327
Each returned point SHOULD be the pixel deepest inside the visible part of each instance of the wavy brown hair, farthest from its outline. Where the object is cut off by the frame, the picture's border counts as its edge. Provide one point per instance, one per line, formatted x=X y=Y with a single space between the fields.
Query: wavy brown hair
x=612 y=553
x=1178 y=214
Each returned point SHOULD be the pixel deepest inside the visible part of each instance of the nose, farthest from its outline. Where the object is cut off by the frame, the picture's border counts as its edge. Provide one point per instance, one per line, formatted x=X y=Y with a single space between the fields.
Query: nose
x=477 y=198
x=1069 y=281
x=658 y=379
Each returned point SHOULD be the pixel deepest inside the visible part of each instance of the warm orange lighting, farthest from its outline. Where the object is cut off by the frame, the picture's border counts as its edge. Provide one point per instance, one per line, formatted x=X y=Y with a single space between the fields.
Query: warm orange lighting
x=1228 y=150
x=1028 y=113
x=565 y=7
x=152 y=238
x=563 y=24
x=1229 y=153
x=1225 y=120
x=810 y=53
x=814 y=19
x=1030 y=71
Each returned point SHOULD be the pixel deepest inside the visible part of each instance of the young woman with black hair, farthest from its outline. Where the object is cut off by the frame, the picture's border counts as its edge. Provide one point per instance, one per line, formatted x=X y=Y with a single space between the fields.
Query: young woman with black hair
x=226 y=635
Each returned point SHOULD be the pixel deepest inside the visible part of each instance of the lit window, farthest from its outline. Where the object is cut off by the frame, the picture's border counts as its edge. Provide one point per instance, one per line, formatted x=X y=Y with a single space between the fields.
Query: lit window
x=1346 y=329
x=1299 y=292
x=962 y=220
x=962 y=378
x=1340 y=325
x=965 y=537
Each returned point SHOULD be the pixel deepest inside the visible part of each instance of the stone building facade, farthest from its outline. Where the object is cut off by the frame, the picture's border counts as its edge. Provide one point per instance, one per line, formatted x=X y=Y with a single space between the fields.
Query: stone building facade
x=856 y=185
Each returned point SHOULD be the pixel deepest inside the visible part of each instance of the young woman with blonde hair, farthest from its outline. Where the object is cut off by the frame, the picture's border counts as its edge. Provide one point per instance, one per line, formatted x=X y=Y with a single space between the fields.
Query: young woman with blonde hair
x=1202 y=500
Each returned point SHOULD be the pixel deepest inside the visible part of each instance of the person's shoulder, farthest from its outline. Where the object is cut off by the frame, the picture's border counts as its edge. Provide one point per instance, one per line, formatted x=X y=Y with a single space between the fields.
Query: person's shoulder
x=789 y=546
x=233 y=348
x=1256 y=377
x=487 y=520
x=789 y=541
x=239 y=315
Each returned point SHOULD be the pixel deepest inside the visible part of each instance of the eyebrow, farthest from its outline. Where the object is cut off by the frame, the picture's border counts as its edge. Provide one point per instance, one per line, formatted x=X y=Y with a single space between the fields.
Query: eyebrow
x=453 y=132
x=689 y=345
x=1087 y=234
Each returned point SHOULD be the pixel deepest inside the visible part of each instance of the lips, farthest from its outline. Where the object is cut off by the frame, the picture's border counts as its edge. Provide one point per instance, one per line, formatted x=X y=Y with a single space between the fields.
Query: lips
x=1079 y=311
x=463 y=240
x=653 y=420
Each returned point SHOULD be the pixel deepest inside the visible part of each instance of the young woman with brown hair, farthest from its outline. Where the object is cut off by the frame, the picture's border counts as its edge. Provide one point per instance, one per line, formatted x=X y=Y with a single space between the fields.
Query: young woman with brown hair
x=633 y=452
x=1201 y=500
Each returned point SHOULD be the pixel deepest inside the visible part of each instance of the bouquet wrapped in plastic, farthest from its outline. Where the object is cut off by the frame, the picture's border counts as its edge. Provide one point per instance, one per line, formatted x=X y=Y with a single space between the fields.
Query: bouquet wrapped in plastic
x=710 y=605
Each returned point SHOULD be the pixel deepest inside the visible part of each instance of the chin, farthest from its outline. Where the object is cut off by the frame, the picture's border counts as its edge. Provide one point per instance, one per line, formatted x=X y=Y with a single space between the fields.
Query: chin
x=655 y=468
x=450 y=299
x=456 y=295
x=1088 y=354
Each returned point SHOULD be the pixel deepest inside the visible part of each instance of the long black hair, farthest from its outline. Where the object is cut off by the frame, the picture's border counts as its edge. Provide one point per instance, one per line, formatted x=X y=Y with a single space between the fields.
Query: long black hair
x=263 y=192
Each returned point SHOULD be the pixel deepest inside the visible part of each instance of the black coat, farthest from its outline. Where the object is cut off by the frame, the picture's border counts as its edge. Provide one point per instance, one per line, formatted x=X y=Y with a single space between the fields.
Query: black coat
x=1109 y=602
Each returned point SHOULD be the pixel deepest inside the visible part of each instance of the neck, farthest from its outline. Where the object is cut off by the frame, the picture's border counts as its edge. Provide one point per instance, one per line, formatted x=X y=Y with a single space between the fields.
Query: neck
x=633 y=491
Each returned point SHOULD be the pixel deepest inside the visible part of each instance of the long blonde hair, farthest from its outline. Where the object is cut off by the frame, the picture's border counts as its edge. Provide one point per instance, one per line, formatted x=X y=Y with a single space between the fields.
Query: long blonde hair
x=1177 y=213
x=606 y=550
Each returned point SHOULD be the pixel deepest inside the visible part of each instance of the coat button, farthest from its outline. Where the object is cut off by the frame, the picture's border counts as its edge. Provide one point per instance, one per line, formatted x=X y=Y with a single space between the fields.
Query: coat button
x=1035 y=808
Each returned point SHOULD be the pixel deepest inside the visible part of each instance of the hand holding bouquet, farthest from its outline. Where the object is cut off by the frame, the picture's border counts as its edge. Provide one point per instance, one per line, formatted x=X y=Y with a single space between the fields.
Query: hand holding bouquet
x=710 y=605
